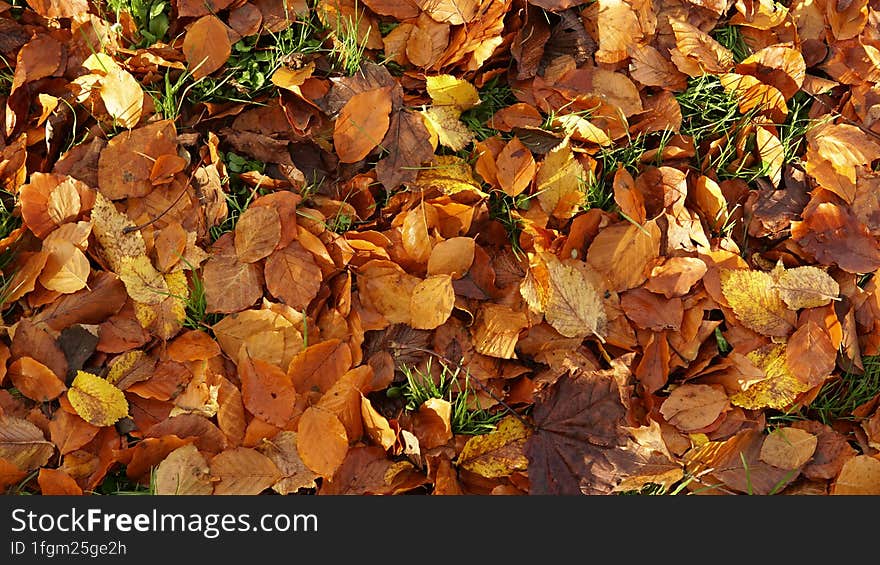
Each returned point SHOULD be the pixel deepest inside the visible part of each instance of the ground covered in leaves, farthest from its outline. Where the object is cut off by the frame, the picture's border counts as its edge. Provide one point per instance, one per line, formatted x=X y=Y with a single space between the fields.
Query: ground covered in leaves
x=440 y=247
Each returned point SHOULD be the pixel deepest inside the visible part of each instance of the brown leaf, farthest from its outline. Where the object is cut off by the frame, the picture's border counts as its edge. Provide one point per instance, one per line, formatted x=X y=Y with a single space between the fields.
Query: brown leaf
x=578 y=429
x=736 y=463
x=860 y=475
x=835 y=237
x=126 y=163
x=230 y=285
x=23 y=444
x=810 y=354
x=788 y=448
x=293 y=276
x=184 y=472
x=676 y=276
x=690 y=407
x=281 y=449
x=367 y=470
x=319 y=366
x=622 y=251
x=206 y=46
x=257 y=232
x=408 y=145
x=243 y=471
x=362 y=124
x=146 y=454
x=322 y=442
x=69 y=432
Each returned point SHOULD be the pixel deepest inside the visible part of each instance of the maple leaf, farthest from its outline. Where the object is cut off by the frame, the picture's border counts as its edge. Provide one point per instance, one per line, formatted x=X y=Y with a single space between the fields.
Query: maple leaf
x=578 y=441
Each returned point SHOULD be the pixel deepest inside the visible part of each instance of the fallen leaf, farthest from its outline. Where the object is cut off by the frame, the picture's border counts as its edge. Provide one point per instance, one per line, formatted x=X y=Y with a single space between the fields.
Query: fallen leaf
x=566 y=292
x=756 y=301
x=498 y=453
x=58 y=483
x=362 y=124
x=577 y=439
x=788 y=448
x=23 y=444
x=690 y=407
x=281 y=449
x=257 y=232
x=267 y=391
x=206 y=46
x=806 y=287
x=622 y=251
x=243 y=471
x=860 y=475
x=321 y=441
x=97 y=401
x=516 y=167
x=184 y=472
x=293 y=275
x=779 y=389
x=431 y=302
x=35 y=380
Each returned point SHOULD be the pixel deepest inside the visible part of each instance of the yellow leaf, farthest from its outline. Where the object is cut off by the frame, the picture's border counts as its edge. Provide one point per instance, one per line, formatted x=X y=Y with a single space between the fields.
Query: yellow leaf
x=108 y=225
x=772 y=154
x=497 y=454
x=559 y=180
x=756 y=302
x=450 y=131
x=96 y=401
x=431 y=302
x=446 y=90
x=165 y=319
x=450 y=175
x=142 y=281
x=121 y=93
x=806 y=287
x=778 y=390
x=567 y=295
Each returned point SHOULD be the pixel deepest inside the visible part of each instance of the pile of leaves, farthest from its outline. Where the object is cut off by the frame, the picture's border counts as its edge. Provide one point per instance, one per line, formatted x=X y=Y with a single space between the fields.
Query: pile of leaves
x=440 y=246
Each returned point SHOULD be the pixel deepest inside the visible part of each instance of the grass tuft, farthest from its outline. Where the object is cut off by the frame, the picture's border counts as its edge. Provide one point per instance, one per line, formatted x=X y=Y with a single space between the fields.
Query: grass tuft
x=453 y=387
x=731 y=37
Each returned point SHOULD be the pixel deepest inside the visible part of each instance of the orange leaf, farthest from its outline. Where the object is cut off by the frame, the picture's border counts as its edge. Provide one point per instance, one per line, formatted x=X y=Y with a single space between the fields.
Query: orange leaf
x=267 y=391
x=230 y=285
x=322 y=442
x=69 y=432
x=362 y=124
x=35 y=380
x=516 y=167
x=243 y=471
x=57 y=482
x=319 y=366
x=206 y=46
x=452 y=257
x=622 y=251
